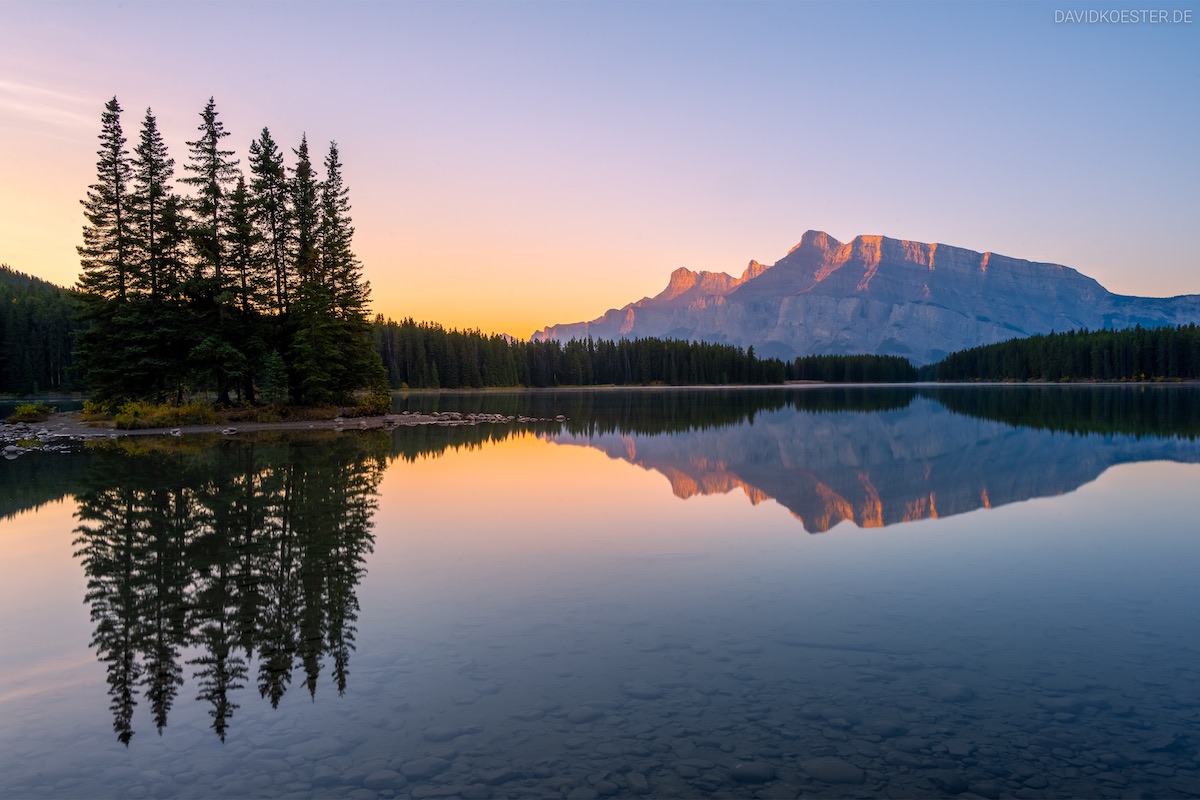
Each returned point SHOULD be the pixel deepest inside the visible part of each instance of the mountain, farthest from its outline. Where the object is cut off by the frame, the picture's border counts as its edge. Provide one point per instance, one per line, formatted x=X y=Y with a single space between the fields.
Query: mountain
x=878 y=295
x=879 y=468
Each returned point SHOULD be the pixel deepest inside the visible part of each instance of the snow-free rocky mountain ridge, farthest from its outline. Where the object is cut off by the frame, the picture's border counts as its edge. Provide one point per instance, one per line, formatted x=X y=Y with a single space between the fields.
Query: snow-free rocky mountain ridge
x=878 y=295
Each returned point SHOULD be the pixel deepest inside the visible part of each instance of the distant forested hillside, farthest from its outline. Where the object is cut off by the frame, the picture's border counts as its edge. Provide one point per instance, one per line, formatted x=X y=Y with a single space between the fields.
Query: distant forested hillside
x=37 y=326
x=426 y=355
x=1169 y=353
x=853 y=369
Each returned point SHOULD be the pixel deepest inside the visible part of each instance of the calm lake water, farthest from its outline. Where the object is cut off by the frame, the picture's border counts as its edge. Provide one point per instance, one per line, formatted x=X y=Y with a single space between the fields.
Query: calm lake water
x=771 y=593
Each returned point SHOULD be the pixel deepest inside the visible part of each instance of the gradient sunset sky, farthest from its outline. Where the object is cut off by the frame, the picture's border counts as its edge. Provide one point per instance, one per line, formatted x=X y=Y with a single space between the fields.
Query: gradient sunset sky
x=518 y=164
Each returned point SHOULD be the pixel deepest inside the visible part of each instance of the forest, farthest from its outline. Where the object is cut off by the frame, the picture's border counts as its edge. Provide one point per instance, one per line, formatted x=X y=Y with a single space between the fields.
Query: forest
x=1138 y=354
x=427 y=356
x=244 y=285
x=853 y=369
x=38 y=322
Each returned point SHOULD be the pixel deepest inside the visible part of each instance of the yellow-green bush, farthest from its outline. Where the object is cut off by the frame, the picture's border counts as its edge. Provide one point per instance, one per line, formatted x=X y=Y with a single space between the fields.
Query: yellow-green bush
x=372 y=405
x=137 y=414
x=31 y=412
x=94 y=411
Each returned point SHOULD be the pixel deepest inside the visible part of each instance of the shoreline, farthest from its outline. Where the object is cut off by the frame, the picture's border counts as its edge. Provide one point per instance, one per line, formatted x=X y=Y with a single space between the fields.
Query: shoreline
x=63 y=430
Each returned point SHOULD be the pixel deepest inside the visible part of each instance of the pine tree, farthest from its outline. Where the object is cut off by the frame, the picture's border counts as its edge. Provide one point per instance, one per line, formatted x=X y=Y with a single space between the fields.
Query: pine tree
x=152 y=171
x=213 y=173
x=250 y=285
x=245 y=255
x=106 y=352
x=107 y=238
x=332 y=351
x=305 y=215
x=360 y=364
x=272 y=211
x=340 y=268
x=174 y=236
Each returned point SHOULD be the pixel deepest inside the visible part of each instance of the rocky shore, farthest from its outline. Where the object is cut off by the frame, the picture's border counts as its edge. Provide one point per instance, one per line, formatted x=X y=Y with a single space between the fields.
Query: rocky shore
x=63 y=431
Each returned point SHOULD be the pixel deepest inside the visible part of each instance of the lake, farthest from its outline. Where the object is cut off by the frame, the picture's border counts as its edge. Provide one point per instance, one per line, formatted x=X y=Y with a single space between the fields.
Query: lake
x=768 y=593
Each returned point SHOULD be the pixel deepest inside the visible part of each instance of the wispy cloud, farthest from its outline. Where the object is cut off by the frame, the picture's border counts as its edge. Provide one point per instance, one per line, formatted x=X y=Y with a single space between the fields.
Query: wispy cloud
x=29 y=103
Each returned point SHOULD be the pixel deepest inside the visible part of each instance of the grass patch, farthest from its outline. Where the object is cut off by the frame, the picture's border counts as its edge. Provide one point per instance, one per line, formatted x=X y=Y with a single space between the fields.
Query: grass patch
x=32 y=412
x=137 y=415
x=276 y=412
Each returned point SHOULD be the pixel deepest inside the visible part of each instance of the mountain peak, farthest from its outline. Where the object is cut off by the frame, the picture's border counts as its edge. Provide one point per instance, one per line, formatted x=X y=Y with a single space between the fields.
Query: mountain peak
x=682 y=276
x=876 y=294
x=816 y=240
x=753 y=270
x=684 y=280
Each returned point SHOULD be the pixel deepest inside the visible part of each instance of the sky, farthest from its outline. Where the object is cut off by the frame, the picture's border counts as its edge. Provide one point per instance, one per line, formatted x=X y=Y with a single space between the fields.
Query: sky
x=517 y=164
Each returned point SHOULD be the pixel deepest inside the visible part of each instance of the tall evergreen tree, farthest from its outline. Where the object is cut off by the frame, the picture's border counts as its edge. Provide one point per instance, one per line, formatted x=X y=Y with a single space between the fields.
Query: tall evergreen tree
x=246 y=263
x=271 y=211
x=341 y=269
x=251 y=285
x=107 y=237
x=152 y=171
x=305 y=214
x=333 y=350
x=174 y=236
x=106 y=352
x=213 y=173
x=313 y=338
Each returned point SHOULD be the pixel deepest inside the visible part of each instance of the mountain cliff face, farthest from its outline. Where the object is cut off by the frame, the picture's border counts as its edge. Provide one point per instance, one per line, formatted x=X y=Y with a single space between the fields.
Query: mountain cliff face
x=878 y=295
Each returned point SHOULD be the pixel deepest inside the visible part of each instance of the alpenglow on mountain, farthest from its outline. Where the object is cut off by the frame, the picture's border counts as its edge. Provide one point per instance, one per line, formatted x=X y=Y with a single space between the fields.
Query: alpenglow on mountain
x=878 y=295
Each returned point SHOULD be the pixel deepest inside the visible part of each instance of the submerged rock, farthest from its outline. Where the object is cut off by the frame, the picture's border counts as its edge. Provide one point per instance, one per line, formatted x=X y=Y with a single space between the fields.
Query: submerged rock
x=421 y=768
x=833 y=770
x=753 y=772
x=584 y=715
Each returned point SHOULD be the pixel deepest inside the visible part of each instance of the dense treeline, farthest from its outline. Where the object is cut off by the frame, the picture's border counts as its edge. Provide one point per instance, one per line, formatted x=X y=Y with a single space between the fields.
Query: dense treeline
x=37 y=326
x=1105 y=355
x=427 y=356
x=244 y=286
x=1165 y=411
x=424 y=355
x=853 y=369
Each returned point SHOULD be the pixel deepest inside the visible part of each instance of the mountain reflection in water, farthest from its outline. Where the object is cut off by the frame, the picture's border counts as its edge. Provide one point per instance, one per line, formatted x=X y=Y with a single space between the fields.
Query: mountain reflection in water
x=938 y=453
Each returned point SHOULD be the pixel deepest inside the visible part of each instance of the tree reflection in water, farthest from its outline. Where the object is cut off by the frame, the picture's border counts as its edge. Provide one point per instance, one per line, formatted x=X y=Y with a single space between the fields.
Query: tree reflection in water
x=201 y=559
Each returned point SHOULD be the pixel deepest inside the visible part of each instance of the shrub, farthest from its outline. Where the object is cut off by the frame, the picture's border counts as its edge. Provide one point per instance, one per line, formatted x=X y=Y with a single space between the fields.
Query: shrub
x=31 y=412
x=137 y=415
x=95 y=411
x=268 y=413
x=373 y=404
